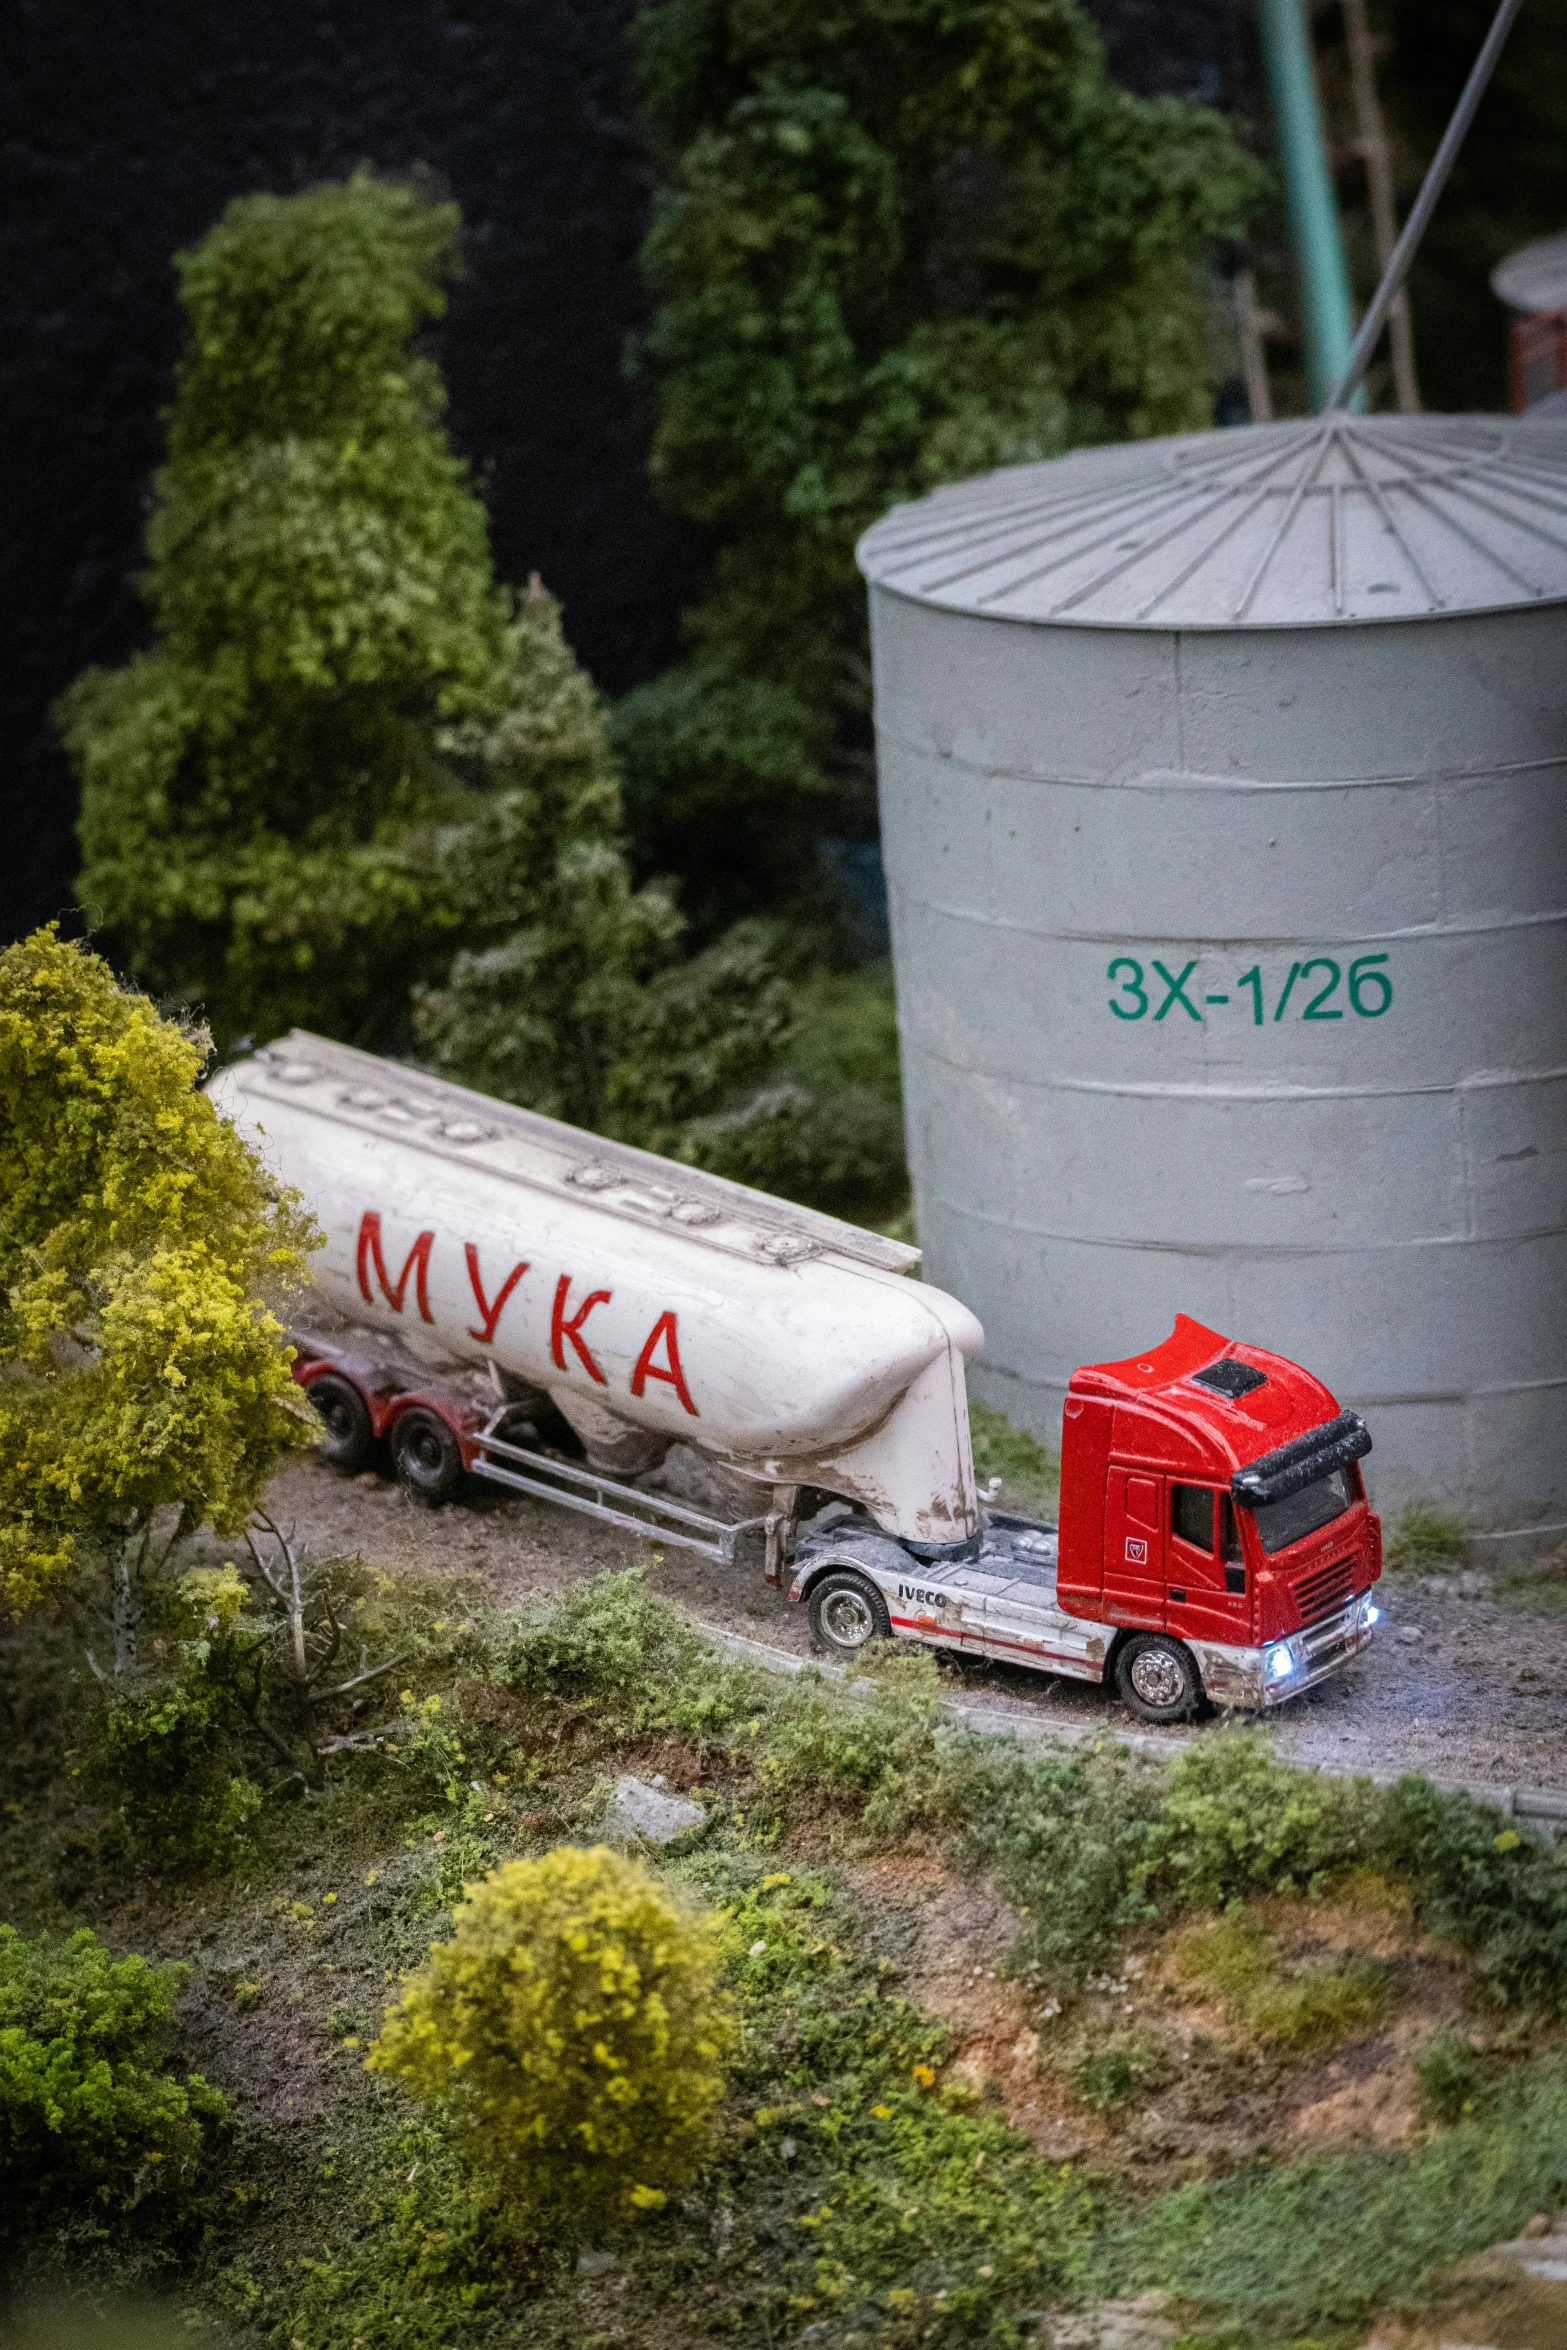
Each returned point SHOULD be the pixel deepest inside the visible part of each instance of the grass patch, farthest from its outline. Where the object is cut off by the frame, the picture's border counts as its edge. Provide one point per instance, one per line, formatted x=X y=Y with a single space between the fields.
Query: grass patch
x=1232 y=1960
x=1029 y=1472
x=1426 y=1539
x=1538 y=1588
x=1323 y=2242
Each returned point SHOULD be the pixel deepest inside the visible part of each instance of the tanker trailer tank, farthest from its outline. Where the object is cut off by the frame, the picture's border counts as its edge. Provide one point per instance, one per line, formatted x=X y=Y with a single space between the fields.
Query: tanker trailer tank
x=650 y=1303
x=1226 y=842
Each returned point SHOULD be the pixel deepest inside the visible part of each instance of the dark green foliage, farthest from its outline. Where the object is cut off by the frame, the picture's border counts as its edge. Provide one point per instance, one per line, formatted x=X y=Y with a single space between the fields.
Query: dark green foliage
x=840 y=1151
x=1449 y=2075
x=722 y=790
x=1117 y=2071
x=895 y=245
x=260 y=792
x=1236 y=1822
x=625 y=1659
x=888 y=1755
x=1496 y=1888
x=1072 y=1845
x=1322 y=2241
x=86 y=2113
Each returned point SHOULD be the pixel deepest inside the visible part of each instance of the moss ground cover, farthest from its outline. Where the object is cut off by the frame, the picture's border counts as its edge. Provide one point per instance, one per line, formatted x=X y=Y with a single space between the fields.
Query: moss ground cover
x=862 y=2185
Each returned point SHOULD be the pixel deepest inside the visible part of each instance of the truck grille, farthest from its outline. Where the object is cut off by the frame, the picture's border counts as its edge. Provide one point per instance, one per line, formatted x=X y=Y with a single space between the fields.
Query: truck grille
x=1318 y=1594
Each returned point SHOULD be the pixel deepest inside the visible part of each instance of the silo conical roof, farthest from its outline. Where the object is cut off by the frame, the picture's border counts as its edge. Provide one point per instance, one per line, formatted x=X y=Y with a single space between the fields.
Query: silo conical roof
x=1325 y=520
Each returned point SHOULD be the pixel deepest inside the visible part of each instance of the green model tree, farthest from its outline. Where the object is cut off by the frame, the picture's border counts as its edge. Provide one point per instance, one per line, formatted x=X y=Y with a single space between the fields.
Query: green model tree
x=353 y=769
x=261 y=791
x=570 y=994
x=893 y=245
x=141 y=1369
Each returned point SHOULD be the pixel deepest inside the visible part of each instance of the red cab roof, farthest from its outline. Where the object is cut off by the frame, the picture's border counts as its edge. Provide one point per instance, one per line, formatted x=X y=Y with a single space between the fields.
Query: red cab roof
x=1229 y=1429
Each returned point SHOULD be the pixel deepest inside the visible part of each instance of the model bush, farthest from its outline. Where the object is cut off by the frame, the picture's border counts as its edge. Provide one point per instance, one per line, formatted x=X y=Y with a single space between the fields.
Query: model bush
x=1492 y=1885
x=86 y=2109
x=892 y=246
x=140 y=1245
x=574 y=2030
x=1236 y=1822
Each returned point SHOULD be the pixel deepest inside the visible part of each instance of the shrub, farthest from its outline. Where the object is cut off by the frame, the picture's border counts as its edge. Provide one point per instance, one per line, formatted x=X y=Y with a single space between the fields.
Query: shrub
x=1449 y=2077
x=84 y=2108
x=1117 y=2071
x=573 y=2029
x=1426 y=1537
x=140 y=1240
x=609 y=1646
x=840 y=1150
x=887 y=1756
x=1494 y=1887
x=1071 y=1844
x=722 y=790
x=1236 y=1822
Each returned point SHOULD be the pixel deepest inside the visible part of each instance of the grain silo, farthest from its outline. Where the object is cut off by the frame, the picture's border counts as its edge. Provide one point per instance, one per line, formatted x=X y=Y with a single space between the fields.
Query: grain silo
x=1222 y=787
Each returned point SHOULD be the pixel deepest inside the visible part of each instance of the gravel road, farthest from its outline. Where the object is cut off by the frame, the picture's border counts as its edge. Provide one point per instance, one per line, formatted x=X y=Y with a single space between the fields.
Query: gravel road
x=1460 y=1684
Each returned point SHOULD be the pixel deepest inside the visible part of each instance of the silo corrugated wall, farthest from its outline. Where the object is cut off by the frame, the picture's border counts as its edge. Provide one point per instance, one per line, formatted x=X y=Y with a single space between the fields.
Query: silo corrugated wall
x=1231 y=980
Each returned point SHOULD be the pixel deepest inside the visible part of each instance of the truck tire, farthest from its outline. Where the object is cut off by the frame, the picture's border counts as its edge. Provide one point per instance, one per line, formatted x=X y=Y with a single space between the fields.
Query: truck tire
x=1157 y=1677
x=848 y=1612
x=428 y=1455
x=345 y=1416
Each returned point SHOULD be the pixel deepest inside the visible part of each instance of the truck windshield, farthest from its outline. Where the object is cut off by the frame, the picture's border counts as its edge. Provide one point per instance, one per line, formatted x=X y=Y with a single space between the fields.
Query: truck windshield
x=1280 y=1523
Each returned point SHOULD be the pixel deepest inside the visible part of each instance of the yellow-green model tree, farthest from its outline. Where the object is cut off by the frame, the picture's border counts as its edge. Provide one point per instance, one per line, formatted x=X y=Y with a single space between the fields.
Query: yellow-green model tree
x=574 y=2029
x=141 y=1369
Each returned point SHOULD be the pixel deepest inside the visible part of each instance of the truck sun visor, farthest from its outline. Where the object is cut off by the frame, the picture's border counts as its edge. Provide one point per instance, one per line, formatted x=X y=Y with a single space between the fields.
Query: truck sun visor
x=1231 y=1378
x=1296 y=1465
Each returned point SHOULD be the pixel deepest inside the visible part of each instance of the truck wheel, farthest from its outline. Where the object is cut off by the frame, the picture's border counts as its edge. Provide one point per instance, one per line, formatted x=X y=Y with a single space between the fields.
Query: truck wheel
x=346 y=1418
x=428 y=1455
x=848 y=1612
x=1157 y=1677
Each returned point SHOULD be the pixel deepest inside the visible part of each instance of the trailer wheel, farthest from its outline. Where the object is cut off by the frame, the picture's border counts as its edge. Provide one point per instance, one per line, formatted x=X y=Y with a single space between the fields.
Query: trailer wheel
x=1157 y=1677
x=346 y=1418
x=848 y=1612
x=428 y=1456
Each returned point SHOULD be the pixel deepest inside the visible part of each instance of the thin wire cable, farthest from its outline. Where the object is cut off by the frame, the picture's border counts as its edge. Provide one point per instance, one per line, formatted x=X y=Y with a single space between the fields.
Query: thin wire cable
x=1424 y=205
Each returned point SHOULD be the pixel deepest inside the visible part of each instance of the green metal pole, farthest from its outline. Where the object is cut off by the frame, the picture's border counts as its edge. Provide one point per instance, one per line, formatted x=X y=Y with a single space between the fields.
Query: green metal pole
x=1315 y=230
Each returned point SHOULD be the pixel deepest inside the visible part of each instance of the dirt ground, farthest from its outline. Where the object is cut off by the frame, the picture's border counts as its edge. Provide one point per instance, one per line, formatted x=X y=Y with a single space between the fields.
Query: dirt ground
x=1459 y=1685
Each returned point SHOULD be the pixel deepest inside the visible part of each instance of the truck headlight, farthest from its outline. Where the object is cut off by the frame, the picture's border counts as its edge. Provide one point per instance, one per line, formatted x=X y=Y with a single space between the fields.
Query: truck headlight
x=1370 y=1613
x=1278 y=1662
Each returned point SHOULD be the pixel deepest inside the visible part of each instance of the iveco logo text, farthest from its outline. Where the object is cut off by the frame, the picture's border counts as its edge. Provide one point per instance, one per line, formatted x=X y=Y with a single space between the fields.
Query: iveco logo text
x=923 y=1598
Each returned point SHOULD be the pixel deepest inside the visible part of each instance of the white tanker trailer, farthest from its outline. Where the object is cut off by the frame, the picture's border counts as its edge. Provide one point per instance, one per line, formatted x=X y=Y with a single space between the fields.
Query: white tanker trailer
x=1206 y=1549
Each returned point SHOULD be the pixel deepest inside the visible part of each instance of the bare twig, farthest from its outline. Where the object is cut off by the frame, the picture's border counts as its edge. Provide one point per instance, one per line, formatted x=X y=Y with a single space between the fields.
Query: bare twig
x=359 y=1680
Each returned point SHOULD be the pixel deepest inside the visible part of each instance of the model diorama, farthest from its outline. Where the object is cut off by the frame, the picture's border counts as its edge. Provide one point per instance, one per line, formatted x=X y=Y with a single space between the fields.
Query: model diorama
x=1215 y=1540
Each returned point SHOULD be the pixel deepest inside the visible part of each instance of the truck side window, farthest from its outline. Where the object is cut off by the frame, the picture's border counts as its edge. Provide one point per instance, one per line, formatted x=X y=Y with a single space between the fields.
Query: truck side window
x=1229 y=1533
x=1191 y=1515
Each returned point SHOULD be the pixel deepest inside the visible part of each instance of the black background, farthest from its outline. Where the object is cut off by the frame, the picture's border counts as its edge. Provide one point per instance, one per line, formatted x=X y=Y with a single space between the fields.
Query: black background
x=126 y=131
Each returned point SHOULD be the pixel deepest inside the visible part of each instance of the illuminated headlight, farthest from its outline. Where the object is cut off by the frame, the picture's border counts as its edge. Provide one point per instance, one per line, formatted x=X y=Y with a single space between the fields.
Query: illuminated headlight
x=1277 y=1661
x=1369 y=1613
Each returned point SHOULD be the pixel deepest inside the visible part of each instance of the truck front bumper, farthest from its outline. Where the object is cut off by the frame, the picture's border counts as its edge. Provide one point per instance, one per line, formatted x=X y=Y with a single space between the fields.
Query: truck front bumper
x=1256 y=1679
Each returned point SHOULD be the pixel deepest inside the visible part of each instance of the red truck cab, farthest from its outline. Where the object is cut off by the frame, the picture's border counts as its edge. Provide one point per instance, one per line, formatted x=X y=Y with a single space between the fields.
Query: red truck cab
x=1212 y=1492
